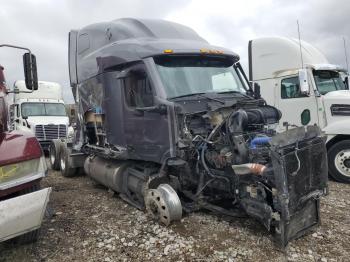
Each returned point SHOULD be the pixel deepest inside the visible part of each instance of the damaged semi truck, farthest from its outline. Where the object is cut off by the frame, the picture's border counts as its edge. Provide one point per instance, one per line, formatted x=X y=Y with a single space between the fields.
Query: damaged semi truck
x=171 y=123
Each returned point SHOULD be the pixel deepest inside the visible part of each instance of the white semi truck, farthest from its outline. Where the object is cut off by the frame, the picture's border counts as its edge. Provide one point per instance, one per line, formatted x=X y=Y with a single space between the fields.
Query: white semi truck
x=298 y=79
x=41 y=112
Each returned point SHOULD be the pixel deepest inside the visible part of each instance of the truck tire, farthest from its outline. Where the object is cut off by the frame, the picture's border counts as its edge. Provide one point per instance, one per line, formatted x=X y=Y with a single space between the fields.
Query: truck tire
x=31 y=236
x=54 y=154
x=339 y=161
x=65 y=163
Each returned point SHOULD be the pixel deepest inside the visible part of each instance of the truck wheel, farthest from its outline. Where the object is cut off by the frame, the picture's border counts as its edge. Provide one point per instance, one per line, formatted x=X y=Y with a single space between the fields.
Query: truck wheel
x=54 y=154
x=339 y=161
x=65 y=164
x=31 y=236
x=163 y=204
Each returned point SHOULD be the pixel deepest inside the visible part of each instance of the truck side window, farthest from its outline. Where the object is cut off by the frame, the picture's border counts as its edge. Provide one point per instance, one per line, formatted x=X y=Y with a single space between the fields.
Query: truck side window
x=138 y=90
x=290 y=88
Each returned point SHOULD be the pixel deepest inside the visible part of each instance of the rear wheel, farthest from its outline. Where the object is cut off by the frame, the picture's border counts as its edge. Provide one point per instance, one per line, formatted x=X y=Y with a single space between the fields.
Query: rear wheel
x=339 y=161
x=54 y=154
x=65 y=164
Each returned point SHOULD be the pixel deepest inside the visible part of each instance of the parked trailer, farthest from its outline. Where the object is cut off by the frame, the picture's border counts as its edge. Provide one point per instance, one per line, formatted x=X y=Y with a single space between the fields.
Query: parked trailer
x=171 y=123
x=22 y=166
x=308 y=90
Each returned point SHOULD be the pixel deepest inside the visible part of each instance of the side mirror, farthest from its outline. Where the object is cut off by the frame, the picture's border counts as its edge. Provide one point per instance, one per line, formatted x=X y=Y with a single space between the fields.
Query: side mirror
x=257 y=93
x=25 y=117
x=303 y=81
x=30 y=71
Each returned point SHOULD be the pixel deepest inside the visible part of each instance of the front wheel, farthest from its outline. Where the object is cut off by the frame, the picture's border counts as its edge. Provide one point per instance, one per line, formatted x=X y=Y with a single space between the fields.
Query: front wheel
x=339 y=161
x=54 y=154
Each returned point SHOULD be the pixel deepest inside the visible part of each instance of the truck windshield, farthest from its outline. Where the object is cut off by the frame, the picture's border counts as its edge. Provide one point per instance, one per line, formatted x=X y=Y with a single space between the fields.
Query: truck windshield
x=327 y=81
x=43 y=109
x=187 y=75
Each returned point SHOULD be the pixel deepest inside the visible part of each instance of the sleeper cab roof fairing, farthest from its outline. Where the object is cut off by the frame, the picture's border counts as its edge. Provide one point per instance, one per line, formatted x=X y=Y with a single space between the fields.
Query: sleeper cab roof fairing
x=104 y=45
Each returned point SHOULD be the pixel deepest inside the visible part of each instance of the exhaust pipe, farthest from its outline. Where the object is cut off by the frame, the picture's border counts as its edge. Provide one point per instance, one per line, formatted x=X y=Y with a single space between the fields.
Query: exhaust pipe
x=249 y=168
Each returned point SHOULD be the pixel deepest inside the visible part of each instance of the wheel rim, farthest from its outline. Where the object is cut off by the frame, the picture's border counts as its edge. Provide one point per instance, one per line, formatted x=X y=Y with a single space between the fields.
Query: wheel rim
x=163 y=204
x=342 y=162
x=63 y=164
x=52 y=156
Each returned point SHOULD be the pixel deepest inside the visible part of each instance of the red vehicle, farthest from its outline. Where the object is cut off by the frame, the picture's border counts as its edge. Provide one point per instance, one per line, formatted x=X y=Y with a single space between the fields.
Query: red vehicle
x=22 y=166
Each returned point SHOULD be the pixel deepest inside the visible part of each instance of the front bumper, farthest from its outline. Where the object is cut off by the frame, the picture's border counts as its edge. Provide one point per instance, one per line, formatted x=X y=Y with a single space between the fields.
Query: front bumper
x=22 y=214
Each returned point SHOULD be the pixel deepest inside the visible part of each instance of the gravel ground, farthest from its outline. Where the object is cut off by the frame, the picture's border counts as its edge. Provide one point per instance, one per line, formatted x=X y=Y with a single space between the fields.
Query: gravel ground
x=89 y=223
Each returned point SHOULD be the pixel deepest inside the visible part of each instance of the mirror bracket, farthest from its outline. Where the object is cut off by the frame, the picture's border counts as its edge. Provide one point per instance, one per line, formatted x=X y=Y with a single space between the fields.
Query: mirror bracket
x=257 y=92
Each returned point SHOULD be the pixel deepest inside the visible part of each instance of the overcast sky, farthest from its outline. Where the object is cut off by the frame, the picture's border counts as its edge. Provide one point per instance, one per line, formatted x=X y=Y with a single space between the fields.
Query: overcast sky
x=43 y=26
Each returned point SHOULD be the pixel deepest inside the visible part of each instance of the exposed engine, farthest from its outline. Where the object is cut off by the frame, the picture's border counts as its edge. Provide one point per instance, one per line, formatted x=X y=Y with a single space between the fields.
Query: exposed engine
x=235 y=162
x=227 y=138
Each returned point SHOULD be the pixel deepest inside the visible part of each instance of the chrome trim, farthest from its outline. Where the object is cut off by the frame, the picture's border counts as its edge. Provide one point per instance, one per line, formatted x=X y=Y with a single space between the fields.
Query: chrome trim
x=340 y=110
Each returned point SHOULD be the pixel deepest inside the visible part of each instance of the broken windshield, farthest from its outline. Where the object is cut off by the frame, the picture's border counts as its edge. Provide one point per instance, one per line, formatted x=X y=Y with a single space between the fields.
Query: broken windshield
x=188 y=75
x=327 y=81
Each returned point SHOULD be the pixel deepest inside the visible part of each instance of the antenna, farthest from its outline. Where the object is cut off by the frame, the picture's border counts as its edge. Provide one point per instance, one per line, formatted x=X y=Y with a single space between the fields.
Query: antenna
x=346 y=56
x=301 y=53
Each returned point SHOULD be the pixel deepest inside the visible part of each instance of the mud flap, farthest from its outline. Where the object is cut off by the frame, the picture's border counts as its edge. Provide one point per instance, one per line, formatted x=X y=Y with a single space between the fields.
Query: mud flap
x=22 y=214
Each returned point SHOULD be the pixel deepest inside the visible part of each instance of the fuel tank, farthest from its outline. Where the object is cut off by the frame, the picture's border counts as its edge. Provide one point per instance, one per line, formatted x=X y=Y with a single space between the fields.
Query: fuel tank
x=106 y=172
x=121 y=176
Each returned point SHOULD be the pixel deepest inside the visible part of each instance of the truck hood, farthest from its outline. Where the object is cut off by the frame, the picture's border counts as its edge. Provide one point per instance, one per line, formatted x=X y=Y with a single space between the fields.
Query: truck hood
x=339 y=97
x=18 y=146
x=48 y=120
x=337 y=110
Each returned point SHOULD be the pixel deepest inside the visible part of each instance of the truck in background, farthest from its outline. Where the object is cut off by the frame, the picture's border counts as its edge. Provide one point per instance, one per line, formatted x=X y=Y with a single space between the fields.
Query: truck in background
x=297 y=78
x=171 y=123
x=22 y=166
x=42 y=112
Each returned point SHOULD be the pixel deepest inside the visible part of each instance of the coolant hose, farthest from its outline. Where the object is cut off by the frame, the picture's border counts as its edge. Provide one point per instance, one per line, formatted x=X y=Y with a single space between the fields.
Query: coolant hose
x=259 y=141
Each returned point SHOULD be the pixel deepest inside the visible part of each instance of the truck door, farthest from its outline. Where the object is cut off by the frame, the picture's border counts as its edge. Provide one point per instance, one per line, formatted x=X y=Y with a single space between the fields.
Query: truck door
x=297 y=109
x=146 y=130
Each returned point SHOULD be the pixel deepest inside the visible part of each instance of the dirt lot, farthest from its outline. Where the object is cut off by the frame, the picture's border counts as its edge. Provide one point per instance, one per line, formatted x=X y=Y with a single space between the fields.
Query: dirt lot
x=91 y=224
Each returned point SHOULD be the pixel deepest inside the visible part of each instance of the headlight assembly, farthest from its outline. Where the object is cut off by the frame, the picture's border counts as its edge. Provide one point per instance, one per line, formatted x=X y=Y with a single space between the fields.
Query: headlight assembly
x=22 y=172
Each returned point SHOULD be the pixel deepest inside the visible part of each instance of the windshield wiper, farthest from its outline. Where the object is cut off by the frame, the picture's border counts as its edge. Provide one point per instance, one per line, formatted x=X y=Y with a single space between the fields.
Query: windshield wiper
x=202 y=95
x=229 y=91
x=234 y=92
